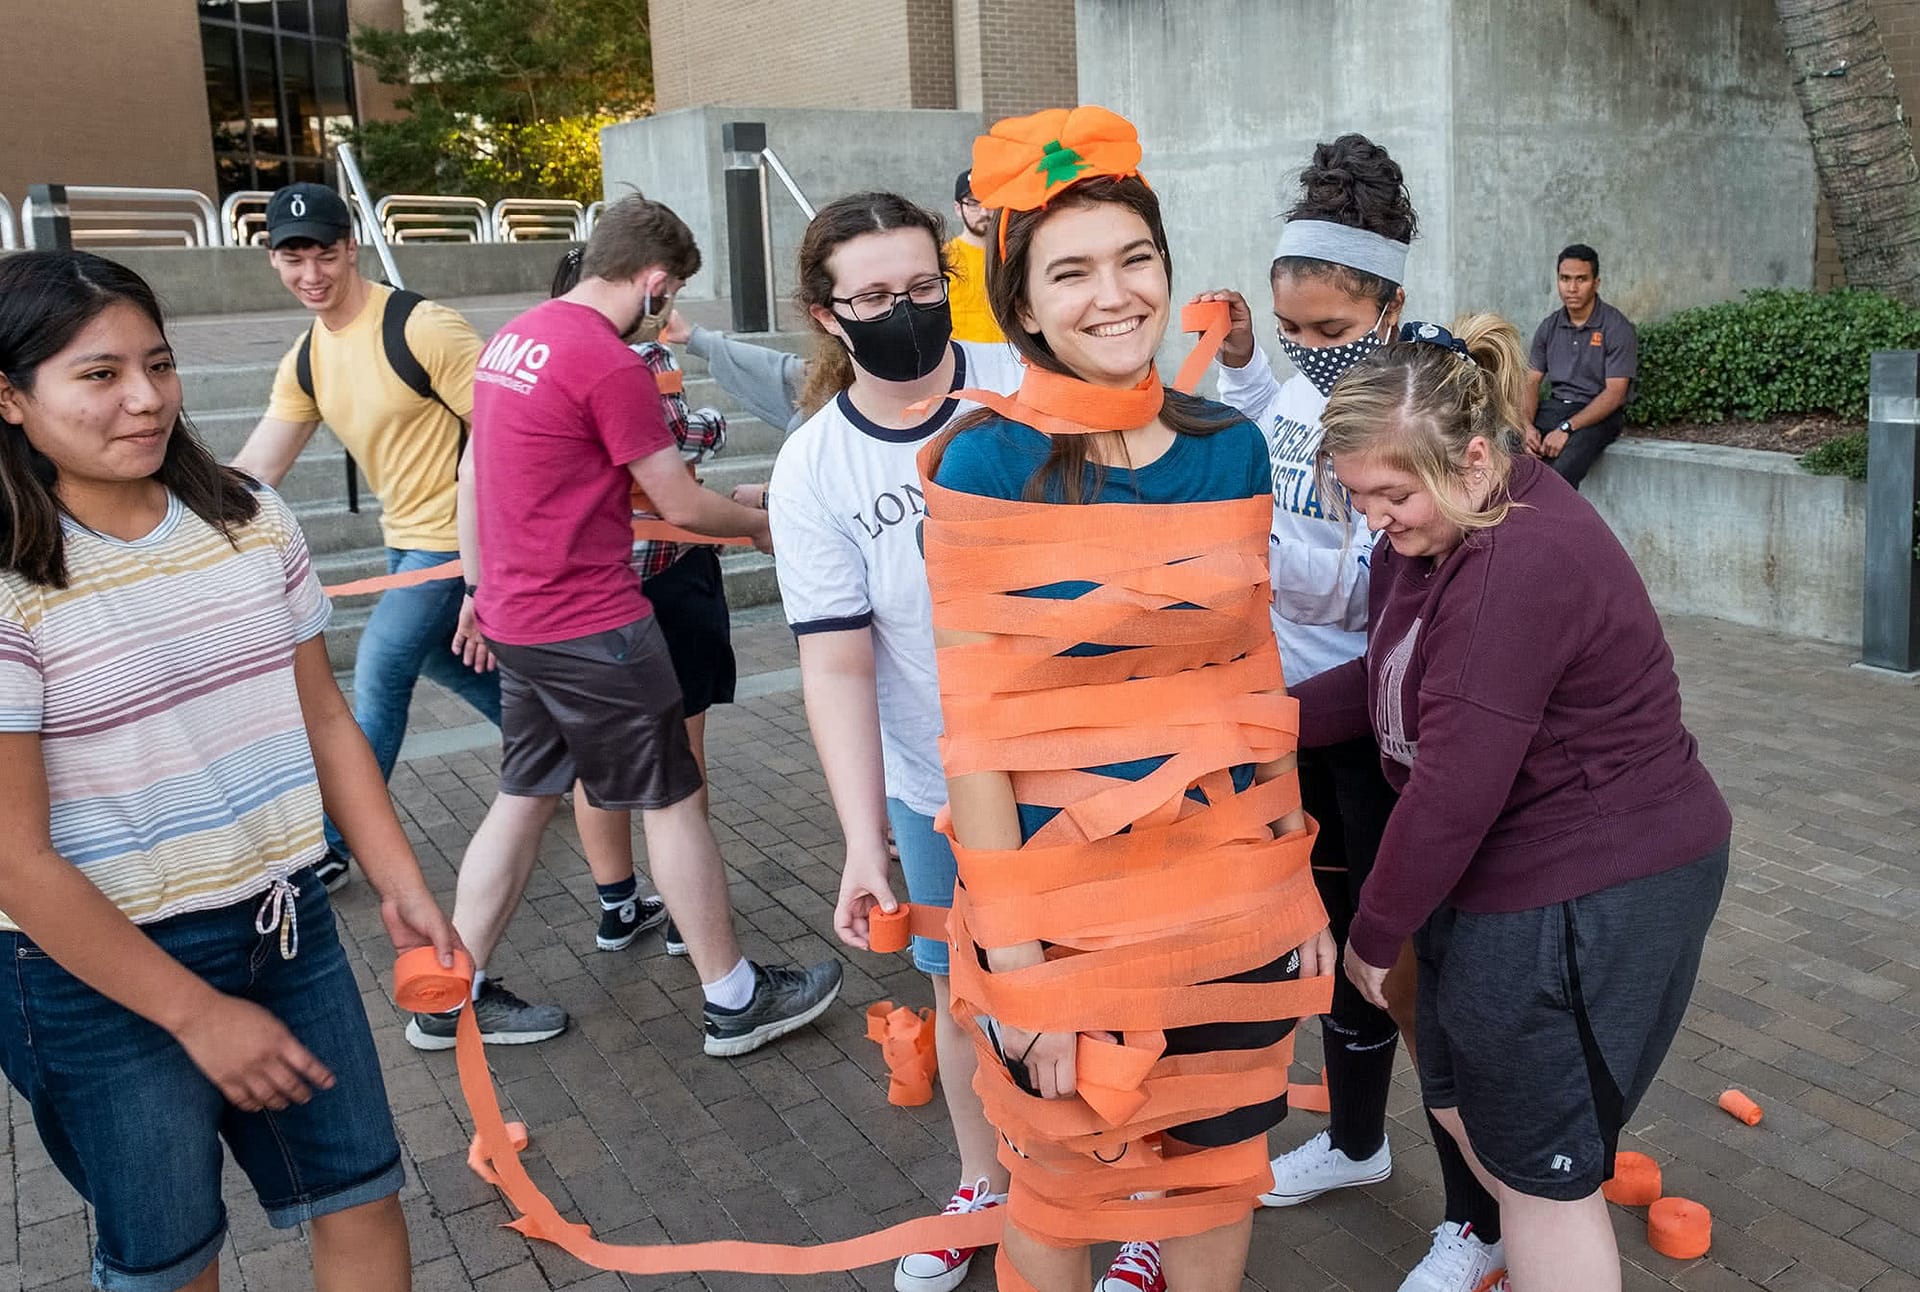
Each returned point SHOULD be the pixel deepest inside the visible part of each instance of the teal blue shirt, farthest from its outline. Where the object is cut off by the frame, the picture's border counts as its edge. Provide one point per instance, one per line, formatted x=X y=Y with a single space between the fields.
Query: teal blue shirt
x=998 y=457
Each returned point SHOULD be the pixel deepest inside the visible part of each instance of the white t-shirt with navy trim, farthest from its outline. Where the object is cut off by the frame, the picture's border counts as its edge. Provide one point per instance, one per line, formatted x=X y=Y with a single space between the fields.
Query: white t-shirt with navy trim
x=846 y=508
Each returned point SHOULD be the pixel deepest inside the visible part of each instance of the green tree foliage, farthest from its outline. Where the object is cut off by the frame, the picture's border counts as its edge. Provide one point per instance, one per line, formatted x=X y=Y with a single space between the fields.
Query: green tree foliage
x=505 y=98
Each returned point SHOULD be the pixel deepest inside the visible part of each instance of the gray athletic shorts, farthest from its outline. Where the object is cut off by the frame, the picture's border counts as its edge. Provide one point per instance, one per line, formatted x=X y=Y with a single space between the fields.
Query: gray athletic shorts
x=1545 y=1027
x=604 y=709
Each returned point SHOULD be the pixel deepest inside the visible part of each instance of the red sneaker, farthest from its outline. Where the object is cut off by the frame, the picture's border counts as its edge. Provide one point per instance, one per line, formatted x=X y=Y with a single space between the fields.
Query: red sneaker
x=1135 y=1268
x=945 y=1271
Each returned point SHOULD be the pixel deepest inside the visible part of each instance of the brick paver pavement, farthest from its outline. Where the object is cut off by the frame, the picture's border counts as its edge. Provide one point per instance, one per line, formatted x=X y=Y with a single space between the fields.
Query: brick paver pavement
x=1809 y=1000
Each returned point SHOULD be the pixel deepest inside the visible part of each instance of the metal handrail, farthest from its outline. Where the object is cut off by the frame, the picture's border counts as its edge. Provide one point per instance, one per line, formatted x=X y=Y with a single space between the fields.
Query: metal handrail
x=199 y=212
x=398 y=209
x=9 y=238
x=357 y=193
x=589 y=218
x=770 y=160
x=516 y=219
x=241 y=227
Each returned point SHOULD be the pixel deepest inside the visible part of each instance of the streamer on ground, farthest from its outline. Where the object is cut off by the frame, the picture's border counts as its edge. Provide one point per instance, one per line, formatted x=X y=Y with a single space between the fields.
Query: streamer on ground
x=1145 y=898
x=421 y=983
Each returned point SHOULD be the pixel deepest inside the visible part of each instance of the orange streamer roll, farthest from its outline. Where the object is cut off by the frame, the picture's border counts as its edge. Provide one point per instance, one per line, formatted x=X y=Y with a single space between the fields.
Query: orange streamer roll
x=1680 y=1228
x=1635 y=1182
x=1738 y=1105
x=905 y=1038
x=422 y=984
x=1148 y=900
x=895 y=930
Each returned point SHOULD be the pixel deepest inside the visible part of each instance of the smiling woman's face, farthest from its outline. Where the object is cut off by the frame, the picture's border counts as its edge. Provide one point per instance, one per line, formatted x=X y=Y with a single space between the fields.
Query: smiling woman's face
x=104 y=407
x=1097 y=292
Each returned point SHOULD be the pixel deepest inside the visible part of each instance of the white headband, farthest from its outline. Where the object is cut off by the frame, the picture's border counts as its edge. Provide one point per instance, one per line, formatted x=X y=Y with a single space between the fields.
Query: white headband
x=1342 y=244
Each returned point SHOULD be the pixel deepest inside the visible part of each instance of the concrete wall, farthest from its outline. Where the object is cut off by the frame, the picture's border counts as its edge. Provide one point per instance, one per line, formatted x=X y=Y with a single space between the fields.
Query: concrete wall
x=1664 y=132
x=675 y=158
x=1738 y=534
x=233 y=280
x=76 y=113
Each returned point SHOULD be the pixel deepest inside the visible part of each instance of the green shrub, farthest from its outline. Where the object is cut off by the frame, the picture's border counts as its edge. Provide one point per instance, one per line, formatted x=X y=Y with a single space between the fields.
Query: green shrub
x=1773 y=353
x=1846 y=456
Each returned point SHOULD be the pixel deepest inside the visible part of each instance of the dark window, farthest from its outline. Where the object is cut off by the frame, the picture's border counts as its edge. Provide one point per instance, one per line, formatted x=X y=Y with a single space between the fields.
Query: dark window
x=279 y=87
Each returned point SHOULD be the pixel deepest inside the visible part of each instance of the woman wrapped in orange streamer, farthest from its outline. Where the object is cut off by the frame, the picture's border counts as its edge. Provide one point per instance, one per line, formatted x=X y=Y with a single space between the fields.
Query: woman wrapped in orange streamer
x=1136 y=930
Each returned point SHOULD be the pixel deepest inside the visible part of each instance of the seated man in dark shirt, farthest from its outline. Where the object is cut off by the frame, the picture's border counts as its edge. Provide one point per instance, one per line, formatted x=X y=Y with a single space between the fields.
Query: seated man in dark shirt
x=1588 y=351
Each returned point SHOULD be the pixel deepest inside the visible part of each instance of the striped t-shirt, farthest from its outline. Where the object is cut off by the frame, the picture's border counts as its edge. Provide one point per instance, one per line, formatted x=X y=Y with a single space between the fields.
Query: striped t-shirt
x=160 y=682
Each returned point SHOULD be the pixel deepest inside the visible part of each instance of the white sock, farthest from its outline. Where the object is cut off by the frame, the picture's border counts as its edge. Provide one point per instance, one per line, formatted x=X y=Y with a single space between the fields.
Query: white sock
x=479 y=981
x=734 y=990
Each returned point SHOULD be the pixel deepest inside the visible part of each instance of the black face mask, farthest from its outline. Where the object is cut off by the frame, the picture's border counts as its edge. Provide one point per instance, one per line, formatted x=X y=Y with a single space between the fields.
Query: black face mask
x=906 y=345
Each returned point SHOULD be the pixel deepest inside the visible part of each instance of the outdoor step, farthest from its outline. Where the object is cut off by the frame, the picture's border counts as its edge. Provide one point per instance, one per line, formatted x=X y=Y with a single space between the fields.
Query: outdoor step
x=224 y=431
x=747 y=575
x=331 y=528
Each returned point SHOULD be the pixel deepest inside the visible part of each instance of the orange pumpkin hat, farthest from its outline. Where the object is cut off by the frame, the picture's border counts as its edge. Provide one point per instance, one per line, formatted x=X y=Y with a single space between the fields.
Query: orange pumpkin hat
x=1022 y=163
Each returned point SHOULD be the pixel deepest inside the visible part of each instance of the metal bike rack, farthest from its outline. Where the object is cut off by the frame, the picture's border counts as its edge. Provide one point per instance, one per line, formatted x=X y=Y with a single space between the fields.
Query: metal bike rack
x=537 y=219
x=243 y=218
x=9 y=235
x=446 y=219
x=126 y=214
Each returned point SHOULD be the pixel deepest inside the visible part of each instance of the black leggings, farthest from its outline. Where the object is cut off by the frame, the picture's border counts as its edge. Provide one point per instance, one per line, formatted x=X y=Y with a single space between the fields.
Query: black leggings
x=1342 y=788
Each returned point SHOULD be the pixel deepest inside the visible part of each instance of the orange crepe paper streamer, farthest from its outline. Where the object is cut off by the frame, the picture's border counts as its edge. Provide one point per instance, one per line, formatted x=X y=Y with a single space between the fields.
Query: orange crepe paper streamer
x=1145 y=898
x=1310 y=1096
x=648 y=529
x=891 y=931
x=1680 y=1228
x=516 y=1135
x=420 y=983
x=670 y=383
x=1635 y=1182
x=905 y=1038
x=1738 y=1105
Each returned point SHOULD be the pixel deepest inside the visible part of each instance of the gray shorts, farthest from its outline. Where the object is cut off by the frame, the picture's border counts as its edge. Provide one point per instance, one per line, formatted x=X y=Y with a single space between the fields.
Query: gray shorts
x=1545 y=1027
x=603 y=709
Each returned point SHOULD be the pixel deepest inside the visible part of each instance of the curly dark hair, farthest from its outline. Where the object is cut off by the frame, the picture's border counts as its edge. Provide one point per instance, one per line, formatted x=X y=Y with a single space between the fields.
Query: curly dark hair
x=1352 y=181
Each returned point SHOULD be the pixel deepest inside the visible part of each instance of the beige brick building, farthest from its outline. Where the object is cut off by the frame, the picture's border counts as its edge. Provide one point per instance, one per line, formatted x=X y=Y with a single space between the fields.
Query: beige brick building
x=225 y=96
x=997 y=57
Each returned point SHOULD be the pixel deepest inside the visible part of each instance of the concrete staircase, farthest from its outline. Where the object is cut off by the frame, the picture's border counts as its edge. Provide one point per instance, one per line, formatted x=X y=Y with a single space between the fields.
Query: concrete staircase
x=227 y=366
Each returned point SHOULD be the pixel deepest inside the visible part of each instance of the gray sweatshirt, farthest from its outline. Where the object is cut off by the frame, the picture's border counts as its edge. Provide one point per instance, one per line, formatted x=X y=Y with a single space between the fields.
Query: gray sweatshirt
x=766 y=380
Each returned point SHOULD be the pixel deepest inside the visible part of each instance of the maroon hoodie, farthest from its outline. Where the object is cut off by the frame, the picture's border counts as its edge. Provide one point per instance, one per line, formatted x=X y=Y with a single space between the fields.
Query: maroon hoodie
x=1527 y=710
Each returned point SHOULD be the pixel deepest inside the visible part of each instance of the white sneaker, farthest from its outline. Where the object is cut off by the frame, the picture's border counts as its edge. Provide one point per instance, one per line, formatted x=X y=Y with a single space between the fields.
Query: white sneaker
x=1459 y=1262
x=1317 y=1167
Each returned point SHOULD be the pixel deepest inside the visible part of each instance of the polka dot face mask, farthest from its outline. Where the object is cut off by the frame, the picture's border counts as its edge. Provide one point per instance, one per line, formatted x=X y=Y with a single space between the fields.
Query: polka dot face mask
x=1325 y=365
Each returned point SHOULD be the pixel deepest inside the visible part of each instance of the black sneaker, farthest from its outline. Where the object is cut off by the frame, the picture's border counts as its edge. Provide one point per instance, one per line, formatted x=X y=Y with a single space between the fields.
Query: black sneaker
x=676 y=945
x=331 y=870
x=784 y=1000
x=504 y=1019
x=621 y=924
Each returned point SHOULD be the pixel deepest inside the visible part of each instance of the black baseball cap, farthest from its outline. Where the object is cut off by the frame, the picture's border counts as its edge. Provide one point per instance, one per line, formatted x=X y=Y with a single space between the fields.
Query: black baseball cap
x=311 y=211
x=963 y=187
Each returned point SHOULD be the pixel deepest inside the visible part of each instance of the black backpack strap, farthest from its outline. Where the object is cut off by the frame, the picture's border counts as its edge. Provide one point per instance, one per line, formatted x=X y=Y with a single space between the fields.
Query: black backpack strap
x=406 y=365
x=303 y=374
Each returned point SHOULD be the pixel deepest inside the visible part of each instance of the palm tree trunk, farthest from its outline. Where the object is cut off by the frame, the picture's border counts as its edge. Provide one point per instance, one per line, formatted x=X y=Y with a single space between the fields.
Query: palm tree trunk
x=1862 y=143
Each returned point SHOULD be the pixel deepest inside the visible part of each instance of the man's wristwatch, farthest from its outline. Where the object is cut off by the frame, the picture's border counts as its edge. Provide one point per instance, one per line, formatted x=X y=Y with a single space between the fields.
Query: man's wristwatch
x=473 y=589
x=1565 y=426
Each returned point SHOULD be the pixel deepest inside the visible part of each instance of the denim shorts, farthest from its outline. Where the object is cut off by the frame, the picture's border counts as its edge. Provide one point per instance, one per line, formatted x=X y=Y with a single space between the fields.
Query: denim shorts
x=136 y=1128
x=926 y=858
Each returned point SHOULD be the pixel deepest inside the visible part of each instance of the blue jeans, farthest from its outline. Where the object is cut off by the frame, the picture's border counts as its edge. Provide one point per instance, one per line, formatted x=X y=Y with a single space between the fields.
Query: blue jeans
x=136 y=1128
x=926 y=859
x=408 y=636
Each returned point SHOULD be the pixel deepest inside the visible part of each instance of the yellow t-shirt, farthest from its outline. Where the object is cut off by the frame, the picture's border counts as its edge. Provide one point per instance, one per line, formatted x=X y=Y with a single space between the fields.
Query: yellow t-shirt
x=406 y=446
x=972 y=320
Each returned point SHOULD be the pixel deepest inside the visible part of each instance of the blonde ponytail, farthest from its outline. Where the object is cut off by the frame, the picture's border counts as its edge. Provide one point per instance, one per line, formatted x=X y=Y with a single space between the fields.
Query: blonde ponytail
x=1418 y=405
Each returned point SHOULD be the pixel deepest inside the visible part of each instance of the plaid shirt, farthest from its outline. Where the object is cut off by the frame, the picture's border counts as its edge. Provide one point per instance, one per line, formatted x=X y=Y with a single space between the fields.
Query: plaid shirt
x=701 y=432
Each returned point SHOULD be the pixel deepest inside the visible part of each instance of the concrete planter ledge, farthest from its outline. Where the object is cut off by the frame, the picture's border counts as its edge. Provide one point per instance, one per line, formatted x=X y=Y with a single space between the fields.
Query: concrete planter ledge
x=1738 y=534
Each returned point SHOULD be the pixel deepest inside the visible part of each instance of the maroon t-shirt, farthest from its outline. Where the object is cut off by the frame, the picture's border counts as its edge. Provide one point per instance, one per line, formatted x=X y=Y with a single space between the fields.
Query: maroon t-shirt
x=1524 y=699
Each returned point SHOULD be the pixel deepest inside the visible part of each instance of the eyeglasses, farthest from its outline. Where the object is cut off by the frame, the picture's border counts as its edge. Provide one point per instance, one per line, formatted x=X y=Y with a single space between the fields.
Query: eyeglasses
x=871 y=307
x=971 y=200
